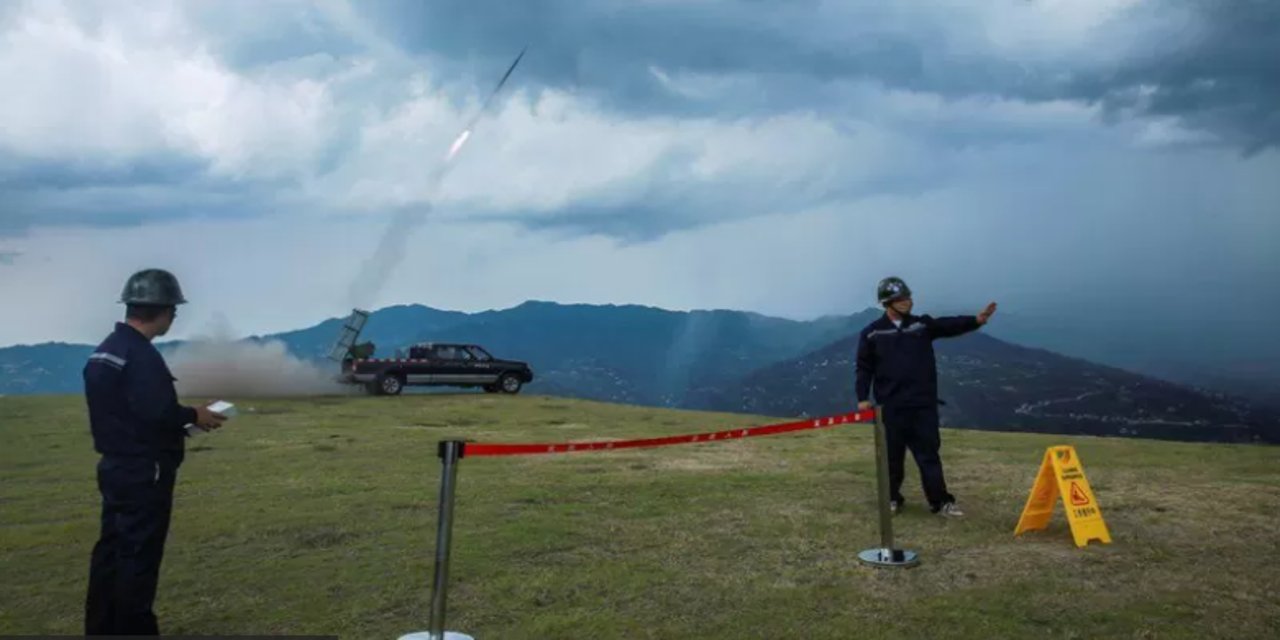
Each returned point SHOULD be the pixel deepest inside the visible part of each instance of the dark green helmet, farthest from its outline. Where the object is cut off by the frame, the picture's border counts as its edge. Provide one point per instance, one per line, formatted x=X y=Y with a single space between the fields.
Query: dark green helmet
x=152 y=288
x=891 y=289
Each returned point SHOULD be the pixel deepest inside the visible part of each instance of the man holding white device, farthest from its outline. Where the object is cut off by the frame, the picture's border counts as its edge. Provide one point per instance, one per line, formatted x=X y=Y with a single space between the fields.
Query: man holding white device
x=139 y=428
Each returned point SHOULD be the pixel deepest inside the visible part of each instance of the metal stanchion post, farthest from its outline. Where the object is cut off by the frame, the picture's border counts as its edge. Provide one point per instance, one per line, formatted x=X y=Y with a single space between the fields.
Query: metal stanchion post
x=450 y=452
x=886 y=555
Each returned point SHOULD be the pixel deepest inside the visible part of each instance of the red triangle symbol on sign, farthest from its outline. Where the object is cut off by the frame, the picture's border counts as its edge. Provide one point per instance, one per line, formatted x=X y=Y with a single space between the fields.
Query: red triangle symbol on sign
x=1078 y=497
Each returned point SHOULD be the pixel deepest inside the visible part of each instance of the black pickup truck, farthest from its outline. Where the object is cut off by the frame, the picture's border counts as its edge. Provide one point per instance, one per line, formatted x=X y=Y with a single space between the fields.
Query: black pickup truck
x=436 y=364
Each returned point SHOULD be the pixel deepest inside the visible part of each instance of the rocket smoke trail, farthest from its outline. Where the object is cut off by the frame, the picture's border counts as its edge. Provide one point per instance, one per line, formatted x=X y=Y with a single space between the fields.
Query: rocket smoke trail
x=391 y=249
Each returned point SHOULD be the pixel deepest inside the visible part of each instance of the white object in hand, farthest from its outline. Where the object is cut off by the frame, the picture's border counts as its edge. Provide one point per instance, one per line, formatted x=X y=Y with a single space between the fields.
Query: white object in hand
x=223 y=407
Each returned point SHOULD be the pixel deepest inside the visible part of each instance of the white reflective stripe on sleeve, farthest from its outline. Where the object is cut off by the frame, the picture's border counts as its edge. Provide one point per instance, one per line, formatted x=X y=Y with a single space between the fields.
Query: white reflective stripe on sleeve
x=108 y=358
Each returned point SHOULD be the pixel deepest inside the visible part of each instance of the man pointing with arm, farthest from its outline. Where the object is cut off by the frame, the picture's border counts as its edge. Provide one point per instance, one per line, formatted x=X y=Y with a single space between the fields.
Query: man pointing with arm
x=138 y=428
x=896 y=360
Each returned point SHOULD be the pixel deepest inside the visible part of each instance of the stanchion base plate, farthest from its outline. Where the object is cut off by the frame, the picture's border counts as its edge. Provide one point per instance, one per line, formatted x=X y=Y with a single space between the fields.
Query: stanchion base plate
x=426 y=635
x=889 y=557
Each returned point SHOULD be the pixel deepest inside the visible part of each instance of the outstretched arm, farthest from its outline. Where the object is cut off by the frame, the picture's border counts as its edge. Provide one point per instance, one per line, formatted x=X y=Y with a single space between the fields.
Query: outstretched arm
x=951 y=326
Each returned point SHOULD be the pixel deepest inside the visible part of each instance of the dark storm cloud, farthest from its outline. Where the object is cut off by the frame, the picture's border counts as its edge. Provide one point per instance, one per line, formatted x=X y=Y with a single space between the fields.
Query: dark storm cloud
x=165 y=187
x=35 y=174
x=609 y=47
x=1221 y=74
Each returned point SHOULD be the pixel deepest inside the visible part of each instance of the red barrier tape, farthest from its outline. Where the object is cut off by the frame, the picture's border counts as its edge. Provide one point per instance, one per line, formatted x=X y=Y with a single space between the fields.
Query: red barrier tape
x=482 y=449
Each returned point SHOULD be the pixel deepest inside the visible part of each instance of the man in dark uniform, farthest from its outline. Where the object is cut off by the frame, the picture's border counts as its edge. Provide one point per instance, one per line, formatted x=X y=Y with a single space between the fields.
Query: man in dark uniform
x=895 y=356
x=138 y=428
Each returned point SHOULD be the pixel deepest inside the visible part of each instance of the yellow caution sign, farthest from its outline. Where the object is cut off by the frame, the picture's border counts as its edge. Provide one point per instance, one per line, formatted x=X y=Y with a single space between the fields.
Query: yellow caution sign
x=1062 y=474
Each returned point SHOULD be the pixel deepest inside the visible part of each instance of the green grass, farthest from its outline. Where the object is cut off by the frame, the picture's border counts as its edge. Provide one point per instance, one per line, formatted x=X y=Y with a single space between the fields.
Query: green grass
x=318 y=516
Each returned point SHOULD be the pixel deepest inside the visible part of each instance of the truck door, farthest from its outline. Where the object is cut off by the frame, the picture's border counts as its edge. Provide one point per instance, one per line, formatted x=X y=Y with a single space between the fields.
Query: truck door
x=482 y=366
x=450 y=367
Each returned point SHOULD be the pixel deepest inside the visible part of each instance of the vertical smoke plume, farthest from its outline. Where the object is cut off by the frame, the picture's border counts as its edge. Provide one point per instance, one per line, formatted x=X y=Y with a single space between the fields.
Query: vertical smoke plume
x=391 y=248
x=217 y=365
x=390 y=252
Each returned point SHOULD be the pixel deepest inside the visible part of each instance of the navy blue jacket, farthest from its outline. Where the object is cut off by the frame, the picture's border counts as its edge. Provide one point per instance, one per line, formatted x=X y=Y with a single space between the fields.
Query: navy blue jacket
x=133 y=406
x=899 y=362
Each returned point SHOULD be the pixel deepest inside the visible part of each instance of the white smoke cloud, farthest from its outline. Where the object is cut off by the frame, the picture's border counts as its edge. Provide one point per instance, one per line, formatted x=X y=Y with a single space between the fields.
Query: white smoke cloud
x=217 y=365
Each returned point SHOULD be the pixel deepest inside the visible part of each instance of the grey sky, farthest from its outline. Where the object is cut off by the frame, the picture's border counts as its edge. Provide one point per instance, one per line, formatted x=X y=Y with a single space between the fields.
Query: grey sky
x=1070 y=159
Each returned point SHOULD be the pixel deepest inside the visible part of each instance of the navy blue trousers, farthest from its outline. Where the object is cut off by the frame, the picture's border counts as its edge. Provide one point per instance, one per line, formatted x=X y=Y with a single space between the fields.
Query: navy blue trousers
x=916 y=428
x=137 y=501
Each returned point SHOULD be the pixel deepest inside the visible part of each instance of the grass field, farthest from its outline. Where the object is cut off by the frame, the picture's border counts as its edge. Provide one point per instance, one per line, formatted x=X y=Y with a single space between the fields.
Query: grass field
x=318 y=517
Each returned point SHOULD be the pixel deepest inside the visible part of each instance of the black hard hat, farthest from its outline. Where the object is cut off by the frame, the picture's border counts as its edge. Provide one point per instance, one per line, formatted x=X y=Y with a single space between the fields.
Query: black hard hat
x=891 y=289
x=152 y=287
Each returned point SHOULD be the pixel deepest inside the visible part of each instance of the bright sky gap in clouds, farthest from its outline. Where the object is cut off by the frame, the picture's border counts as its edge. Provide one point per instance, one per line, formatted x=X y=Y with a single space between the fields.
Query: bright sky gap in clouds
x=1105 y=163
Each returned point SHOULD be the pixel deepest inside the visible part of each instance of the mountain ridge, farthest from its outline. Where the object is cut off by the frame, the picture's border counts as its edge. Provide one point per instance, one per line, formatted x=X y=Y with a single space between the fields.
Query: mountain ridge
x=721 y=359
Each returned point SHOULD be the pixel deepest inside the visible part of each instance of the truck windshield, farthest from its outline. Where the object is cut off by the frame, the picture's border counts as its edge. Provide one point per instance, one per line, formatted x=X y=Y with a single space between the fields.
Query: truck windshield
x=479 y=354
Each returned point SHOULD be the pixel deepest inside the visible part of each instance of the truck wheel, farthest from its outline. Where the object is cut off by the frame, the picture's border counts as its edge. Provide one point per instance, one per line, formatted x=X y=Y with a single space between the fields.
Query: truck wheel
x=390 y=385
x=509 y=383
